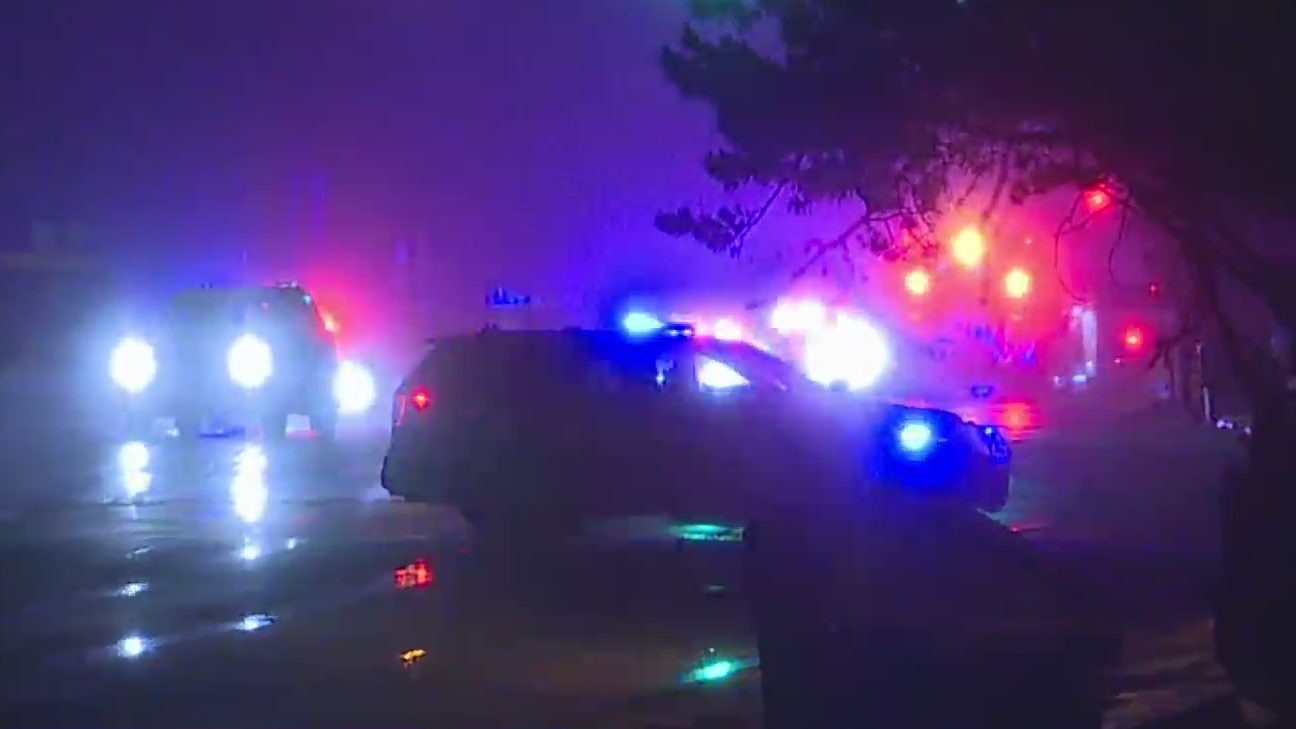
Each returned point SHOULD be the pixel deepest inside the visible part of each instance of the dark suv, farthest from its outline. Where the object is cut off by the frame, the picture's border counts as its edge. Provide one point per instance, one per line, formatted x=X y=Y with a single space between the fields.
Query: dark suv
x=536 y=429
x=231 y=355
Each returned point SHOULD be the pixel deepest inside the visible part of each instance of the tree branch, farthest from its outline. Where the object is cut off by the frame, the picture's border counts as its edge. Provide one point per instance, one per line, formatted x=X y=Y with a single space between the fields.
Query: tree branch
x=1001 y=181
x=760 y=213
x=822 y=247
x=1116 y=242
x=1062 y=229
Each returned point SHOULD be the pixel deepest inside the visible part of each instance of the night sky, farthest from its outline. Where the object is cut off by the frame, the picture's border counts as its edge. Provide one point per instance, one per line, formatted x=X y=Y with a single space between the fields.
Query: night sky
x=529 y=141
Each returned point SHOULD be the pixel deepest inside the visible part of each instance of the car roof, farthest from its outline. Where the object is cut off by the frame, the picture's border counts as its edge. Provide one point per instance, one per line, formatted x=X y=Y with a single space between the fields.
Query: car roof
x=532 y=337
x=592 y=342
x=228 y=292
x=232 y=304
x=495 y=335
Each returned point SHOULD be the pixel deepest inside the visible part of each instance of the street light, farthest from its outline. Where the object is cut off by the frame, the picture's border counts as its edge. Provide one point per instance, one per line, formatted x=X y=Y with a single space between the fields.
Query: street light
x=1017 y=283
x=917 y=282
x=968 y=247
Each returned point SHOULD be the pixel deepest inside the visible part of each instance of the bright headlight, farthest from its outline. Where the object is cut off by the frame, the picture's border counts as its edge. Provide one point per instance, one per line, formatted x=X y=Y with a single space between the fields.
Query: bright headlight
x=354 y=388
x=249 y=361
x=132 y=365
x=853 y=352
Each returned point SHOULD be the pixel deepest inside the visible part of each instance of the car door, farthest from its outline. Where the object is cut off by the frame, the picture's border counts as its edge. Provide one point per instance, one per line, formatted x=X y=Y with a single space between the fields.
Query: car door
x=628 y=438
x=773 y=438
x=734 y=416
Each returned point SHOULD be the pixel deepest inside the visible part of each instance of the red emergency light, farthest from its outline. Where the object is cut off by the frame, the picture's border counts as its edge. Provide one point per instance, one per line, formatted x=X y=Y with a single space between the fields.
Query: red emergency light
x=1018 y=419
x=1133 y=339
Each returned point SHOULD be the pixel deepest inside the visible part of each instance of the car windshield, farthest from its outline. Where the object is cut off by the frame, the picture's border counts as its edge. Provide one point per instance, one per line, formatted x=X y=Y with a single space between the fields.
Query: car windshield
x=239 y=307
x=758 y=366
x=206 y=306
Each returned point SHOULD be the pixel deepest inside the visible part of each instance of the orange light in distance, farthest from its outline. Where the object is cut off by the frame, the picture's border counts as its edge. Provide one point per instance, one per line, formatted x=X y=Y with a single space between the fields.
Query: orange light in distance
x=1017 y=283
x=917 y=282
x=968 y=247
x=1018 y=419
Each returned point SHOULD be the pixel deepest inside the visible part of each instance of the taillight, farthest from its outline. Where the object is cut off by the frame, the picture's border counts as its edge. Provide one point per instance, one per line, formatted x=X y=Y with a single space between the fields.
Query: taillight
x=419 y=400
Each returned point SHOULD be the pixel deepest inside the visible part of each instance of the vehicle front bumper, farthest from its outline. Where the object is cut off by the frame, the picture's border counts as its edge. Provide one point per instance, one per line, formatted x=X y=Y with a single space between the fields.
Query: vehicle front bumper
x=199 y=400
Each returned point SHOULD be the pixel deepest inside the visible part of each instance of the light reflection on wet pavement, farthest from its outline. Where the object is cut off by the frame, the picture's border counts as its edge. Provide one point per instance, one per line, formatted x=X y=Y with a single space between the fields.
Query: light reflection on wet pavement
x=230 y=565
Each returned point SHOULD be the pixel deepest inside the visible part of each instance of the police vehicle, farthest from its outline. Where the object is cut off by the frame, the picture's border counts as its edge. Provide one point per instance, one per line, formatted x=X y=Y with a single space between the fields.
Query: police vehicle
x=231 y=356
x=520 y=430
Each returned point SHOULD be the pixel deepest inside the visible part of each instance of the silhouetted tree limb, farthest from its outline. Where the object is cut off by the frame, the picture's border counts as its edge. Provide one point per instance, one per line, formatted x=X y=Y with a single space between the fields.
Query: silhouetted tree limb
x=910 y=106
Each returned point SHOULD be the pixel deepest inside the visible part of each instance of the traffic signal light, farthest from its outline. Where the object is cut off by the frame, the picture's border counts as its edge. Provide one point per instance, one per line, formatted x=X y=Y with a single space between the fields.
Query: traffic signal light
x=968 y=247
x=1017 y=283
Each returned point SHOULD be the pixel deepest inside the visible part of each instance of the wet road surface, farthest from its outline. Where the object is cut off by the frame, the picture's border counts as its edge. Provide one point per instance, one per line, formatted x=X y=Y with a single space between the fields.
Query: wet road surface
x=225 y=582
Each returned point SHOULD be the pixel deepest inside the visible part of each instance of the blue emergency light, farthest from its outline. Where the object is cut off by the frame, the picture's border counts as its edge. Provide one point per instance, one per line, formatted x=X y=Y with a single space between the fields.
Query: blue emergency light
x=915 y=438
x=639 y=323
x=917 y=450
x=504 y=299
